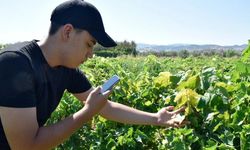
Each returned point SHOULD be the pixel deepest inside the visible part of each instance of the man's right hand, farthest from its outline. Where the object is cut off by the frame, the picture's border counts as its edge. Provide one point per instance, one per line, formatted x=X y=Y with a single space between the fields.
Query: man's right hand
x=22 y=130
x=96 y=101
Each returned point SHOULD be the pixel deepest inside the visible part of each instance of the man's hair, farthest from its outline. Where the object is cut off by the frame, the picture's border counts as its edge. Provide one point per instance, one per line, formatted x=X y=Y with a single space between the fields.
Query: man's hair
x=54 y=27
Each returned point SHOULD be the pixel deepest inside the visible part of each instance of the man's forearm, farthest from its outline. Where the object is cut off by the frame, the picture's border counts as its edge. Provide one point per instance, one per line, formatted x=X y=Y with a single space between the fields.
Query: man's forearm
x=53 y=135
x=124 y=114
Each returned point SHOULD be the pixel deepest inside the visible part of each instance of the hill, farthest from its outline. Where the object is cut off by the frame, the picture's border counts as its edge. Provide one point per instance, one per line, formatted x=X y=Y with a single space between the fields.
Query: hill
x=190 y=47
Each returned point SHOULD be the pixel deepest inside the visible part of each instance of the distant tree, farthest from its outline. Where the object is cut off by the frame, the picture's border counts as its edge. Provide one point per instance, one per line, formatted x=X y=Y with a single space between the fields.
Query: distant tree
x=208 y=53
x=183 y=54
x=133 y=47
x=127 y=47
x=231 y=53
x=2 y=46
x=122 y=48
x=98 y=47
x=196 y=53
x=173 y=53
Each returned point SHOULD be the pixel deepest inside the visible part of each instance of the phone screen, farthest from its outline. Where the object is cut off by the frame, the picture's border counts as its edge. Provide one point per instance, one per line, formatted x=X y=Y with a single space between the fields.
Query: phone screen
x=109 y=83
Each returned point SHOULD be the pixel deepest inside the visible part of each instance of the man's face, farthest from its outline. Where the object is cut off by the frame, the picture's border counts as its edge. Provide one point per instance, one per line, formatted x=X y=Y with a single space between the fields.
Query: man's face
x=81 y=46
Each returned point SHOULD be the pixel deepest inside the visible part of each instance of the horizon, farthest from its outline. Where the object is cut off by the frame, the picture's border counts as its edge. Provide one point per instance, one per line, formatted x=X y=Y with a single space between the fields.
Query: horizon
x=189 y=44
x=177 y=44
x=161 y=22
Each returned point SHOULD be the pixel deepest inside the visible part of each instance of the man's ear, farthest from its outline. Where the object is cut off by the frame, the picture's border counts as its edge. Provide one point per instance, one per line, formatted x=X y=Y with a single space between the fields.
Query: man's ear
x=66 y=31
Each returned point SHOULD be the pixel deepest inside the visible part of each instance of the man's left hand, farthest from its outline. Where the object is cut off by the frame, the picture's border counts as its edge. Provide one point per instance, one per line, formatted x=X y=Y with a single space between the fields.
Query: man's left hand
x=166 y=117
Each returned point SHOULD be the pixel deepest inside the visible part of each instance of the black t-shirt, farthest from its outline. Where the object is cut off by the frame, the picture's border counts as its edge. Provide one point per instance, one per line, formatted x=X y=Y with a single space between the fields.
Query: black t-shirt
x=26 y=80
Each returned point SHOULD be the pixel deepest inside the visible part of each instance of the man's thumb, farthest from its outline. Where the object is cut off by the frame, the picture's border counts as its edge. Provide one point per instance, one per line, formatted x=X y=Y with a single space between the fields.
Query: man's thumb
x=97 y=90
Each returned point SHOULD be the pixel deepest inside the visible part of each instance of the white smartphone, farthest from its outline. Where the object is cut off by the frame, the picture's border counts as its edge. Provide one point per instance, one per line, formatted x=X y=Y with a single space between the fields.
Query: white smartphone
x=109 y=83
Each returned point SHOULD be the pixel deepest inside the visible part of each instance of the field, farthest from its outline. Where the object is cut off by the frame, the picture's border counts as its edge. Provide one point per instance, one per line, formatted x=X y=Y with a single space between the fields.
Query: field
x=215 y=90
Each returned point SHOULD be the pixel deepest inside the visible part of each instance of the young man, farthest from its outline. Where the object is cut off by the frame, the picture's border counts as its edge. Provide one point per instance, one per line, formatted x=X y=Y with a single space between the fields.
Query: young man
x=34 y=77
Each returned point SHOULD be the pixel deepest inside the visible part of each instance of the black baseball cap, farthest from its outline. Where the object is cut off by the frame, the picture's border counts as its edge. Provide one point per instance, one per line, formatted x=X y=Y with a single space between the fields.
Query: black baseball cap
x=82 y=15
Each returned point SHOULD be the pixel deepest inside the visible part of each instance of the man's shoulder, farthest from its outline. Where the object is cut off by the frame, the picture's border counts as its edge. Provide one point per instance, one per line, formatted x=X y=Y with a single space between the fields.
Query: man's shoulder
x=14 y=50
x=14 y=62
x=16 y=46
x=12 y=58
x=16 y=54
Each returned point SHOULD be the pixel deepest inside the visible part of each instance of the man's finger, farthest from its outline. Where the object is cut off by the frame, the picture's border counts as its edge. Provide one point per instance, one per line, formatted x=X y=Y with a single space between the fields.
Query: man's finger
x=169 y=108
x=96 y=90
x=176 y=125
x=107 y=93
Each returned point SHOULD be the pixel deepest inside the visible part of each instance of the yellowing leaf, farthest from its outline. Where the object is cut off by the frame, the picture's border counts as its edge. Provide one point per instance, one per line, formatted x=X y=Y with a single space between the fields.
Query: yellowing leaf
x=188 y=110
x=226 y=115
x=187 y=96
x=163 y=80
x=192 y=83
x=167 y=100
x=228 y=87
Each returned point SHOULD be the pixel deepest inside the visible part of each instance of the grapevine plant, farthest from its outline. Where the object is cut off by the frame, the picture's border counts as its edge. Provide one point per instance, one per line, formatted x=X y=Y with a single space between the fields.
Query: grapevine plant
x=215 y=92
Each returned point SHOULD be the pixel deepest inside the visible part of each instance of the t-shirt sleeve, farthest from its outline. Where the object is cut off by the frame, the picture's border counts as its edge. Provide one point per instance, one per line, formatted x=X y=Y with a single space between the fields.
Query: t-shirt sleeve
x=16 y=81
x=78 y=82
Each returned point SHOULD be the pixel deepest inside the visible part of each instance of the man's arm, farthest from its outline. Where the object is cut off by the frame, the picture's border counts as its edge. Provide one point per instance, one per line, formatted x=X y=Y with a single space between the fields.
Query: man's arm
x=124 y=114
x=22 y=130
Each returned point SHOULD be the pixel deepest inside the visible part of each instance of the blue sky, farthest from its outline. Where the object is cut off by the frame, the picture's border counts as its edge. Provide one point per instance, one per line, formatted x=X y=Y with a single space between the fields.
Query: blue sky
x=224 y=22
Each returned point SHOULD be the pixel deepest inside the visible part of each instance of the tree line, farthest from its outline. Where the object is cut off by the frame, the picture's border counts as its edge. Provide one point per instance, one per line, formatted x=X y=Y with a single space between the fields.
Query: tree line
x=122 y=48
x=186 y=53
x=129 y=48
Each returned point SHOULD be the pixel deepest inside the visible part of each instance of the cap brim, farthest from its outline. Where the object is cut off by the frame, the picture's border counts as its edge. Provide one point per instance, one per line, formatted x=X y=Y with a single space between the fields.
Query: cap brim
x=103 y=38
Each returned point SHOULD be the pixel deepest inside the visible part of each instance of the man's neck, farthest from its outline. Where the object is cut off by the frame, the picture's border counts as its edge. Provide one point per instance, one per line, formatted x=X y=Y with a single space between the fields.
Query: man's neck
x=50 y=51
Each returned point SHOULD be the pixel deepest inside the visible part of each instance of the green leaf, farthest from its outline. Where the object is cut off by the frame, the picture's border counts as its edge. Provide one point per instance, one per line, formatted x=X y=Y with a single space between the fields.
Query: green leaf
x=238 y=117
x=245 y=137
x=178 y=144
x=225 y=147
x=213 y=147
x=148 y=103
x=130 y=131
x=204 y=101
x=246 y=53
x=138 y=139
x=174 y=79
x=210 y=116
x=228 y=137
x=121 y=140
x=217 y=126
x=111 y=144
